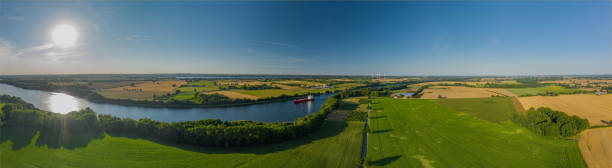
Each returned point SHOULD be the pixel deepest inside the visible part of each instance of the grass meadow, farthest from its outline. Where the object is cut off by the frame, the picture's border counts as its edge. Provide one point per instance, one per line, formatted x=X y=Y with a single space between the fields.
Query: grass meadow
x=426 y=133
x=337 y=144
x=541 y=90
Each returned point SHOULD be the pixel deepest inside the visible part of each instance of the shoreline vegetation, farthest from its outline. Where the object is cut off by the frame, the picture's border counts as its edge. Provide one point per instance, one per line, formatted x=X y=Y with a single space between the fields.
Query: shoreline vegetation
x=85 y=93
x=208 y=132
x=200 y=100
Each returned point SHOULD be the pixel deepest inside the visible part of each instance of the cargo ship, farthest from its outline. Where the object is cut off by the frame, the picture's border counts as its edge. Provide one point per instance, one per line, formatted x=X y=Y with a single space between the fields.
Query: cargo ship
x=310 y=98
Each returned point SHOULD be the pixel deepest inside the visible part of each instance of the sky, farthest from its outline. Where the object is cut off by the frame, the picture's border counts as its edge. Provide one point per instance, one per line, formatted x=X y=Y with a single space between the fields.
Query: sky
x=327 y=38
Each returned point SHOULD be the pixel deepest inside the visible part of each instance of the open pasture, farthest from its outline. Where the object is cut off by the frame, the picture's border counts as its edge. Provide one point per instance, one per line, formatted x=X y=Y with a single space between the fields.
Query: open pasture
x=495 y=109
x=143 y=90
x=541 y=90
x=423 y=133
x=596 y=147
x=462 y=92
x=592 y=107
x=336 y=144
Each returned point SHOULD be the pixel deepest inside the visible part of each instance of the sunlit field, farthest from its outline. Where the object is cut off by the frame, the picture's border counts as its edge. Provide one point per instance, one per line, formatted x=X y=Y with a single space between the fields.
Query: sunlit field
x=423 y=133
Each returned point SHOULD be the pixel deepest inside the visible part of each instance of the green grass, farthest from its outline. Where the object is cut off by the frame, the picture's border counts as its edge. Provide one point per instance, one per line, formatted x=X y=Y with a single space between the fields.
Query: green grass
x=496 y=109
x=336 y=144
x=541 y=90
x=358 y=108
x=186 y=93
x=423 y=133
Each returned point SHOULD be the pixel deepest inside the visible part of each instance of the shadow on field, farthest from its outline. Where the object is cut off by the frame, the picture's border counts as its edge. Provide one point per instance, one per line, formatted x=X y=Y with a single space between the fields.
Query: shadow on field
x=20 y=136
x=377 y=117
x=328 y=129
x=385 y=161
x=23 y=136
x=382 y=131
x=347 y=105
x=58 y=139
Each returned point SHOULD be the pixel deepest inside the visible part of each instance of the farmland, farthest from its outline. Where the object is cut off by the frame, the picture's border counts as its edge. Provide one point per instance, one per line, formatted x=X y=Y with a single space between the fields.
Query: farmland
x=336 y=144
x=551 y=89
x=423 y=133
x=497 y=109
x=592 y=107
x=143 y=90
x=596 y=146
x=435 y=92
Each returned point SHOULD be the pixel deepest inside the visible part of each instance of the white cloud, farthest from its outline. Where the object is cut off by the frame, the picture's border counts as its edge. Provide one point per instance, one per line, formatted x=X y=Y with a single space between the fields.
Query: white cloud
x=32 y=59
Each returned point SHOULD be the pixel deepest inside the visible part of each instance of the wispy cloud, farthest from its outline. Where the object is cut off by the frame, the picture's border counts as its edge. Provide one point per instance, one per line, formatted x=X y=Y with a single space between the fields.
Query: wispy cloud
x=276 y=44
x=44 y=54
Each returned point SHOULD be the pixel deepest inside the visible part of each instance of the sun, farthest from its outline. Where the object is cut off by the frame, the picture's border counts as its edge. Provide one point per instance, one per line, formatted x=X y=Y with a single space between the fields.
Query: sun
x=64 y=35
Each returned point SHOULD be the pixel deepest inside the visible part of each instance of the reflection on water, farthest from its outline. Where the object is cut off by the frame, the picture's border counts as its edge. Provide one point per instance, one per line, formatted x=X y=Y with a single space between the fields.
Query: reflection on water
x=62 y=103
x=285 y=111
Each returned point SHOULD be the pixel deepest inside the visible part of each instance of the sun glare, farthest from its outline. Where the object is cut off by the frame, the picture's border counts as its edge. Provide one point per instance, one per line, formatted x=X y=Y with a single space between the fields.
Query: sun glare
x=64 y=35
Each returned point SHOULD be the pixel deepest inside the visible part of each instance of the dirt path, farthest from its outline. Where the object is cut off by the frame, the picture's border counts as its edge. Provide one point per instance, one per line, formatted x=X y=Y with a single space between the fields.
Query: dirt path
x=596 y=147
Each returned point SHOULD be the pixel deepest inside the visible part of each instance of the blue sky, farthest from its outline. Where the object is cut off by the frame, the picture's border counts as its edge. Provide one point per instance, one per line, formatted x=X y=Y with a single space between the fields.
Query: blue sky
x=345 y=38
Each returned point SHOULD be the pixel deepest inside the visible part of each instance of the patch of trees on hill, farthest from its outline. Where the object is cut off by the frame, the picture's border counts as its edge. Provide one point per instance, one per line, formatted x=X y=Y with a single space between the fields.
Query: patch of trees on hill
x=548 y=122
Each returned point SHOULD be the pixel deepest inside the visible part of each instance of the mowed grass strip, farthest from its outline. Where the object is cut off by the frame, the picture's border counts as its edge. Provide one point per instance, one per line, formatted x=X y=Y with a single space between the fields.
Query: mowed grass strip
x=336 y=144
x=423 y=133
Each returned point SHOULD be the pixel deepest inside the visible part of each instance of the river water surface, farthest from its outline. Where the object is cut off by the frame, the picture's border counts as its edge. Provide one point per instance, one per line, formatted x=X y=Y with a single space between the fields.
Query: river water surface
x=284 y=111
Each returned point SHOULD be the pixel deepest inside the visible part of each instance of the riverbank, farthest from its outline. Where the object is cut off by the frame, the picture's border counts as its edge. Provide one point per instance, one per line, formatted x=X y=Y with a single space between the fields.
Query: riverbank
x=94 y=97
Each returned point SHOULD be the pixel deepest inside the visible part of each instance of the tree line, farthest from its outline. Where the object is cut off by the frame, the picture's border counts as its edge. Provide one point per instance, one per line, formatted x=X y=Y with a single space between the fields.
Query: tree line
x=209 y=132
x=548 y=122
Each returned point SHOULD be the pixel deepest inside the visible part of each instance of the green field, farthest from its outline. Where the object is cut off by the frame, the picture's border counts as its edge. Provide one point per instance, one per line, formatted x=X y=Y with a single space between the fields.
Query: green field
x=336 y=144
x=425 y=133
x=358 y=108
x=541 y=90
x=186 y=93
x=496 y=109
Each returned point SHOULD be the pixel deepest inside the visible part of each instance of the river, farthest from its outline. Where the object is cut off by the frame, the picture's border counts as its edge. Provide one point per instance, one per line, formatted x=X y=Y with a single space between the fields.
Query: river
x=284 y=111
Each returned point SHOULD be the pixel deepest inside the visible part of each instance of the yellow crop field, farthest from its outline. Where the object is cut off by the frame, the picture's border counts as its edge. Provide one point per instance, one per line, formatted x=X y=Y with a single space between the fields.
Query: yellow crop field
x=450 y=83
x=462 y=92
x=234 y=95
x=582 y=82
x=142 y=91
x=305 y=83
x=592 y=107
x=596 y=147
